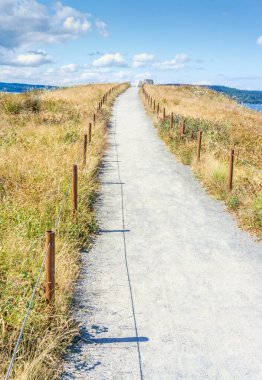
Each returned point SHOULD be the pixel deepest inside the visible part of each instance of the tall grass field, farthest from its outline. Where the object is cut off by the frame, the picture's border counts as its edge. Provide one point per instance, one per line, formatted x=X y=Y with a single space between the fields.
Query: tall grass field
x=225 y=125
x=41 y=137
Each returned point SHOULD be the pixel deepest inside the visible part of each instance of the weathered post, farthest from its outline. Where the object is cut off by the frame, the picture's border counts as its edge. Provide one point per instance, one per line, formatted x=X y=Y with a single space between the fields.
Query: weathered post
x=199 y=145
x=50 y=267
x=89 y=133
x=164 y=113
x=94 y=118
x=231 y=168
x=154 y=105
x=182 y=129
x=84 y=151
x=171 y=121
x=74 y=189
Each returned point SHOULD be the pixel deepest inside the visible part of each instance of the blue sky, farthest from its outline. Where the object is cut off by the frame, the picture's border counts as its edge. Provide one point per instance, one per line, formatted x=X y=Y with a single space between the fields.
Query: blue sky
x=184 y=41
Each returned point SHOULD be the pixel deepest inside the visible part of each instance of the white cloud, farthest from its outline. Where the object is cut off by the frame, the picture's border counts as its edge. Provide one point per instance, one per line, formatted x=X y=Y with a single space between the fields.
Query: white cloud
x=102 y=28
x=69 y=74
x=115 y=59
x=259 y=40
x=76 y=25
x=174 y=64
x=70 y=68
x=75 y=74
x=142 y=59
x=30 y=59
x=25 y=22
x=21 y=75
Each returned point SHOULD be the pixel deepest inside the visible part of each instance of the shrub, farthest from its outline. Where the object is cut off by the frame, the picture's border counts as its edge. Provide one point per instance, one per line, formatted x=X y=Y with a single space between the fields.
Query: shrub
x=234 y=202
x=257 y=212
x=12 y=106
x=32 y=104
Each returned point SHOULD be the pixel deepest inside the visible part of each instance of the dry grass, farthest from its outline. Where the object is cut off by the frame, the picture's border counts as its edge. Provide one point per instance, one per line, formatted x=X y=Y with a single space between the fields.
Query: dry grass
x=41 y=137
x=225 y=124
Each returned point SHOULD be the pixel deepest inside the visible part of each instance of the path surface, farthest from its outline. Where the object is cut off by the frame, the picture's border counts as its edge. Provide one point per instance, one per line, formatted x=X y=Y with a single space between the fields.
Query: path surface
x=171 y=288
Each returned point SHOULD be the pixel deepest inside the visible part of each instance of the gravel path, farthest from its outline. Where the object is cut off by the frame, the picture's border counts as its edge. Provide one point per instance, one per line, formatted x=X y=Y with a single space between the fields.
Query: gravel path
x=171 y=288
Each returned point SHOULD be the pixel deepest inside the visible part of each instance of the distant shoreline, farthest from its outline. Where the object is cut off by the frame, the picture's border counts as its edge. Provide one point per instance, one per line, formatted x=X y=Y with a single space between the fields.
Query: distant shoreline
x=17 y=88
x=253 y=107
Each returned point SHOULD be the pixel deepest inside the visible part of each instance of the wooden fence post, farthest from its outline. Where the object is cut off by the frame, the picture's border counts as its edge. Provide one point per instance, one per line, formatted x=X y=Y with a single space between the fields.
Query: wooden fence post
x=94 y=118
x=171 y=121
x=89 y=133
x=74 y=189
x=84 y=152
x=182 y=129
x=164 y=113
x=199 y=145
x=231 y=168
x=154 y=105
x=50 y=267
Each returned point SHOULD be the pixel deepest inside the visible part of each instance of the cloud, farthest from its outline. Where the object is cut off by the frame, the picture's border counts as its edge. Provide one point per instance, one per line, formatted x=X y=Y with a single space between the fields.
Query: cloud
x=76 y=25
x=177 y=63
x=64 y=71
x=70 y=68
x=115 y=59
x=259 y=40
x=30 y=59
x=25 y=22
x=75 y=74
x=69 y=74
x=142 y=59
x=102 y=28
x=21 y=75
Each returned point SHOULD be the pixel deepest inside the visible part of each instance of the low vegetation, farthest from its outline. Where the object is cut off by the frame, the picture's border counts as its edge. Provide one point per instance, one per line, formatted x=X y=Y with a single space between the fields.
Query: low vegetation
x=225 y=125
x=242 y=96
x=41 y=136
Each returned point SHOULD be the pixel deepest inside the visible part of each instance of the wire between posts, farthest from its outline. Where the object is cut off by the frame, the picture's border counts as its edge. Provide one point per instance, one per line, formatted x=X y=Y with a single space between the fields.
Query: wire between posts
x=37 y=282
x=226 y=152
x=36 y=286
x=26 y=315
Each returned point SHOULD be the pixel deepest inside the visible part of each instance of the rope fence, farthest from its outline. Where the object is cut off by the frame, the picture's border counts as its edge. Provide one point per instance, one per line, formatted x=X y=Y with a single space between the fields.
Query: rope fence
x=48 y=261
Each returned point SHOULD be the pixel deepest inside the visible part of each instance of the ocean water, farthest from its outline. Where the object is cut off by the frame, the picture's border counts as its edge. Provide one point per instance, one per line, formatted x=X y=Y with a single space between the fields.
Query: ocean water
x=256 y=107
x=17 y=88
